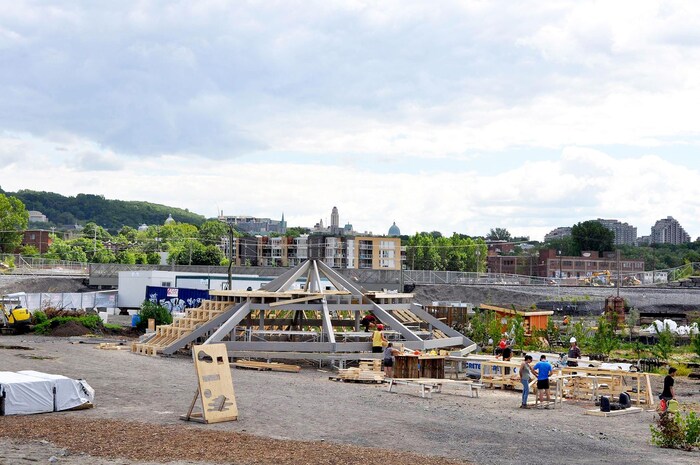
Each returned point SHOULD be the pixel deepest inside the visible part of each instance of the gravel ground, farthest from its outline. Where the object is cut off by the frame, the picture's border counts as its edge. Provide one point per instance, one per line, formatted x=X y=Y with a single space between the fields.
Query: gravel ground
x=306 y=406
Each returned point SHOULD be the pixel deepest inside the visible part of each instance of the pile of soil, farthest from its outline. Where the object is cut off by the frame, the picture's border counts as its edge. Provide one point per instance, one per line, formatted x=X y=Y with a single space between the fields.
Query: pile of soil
x=70 y=328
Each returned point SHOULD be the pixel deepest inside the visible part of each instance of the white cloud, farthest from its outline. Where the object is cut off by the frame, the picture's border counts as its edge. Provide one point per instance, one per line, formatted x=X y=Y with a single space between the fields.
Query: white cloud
x=398 y=110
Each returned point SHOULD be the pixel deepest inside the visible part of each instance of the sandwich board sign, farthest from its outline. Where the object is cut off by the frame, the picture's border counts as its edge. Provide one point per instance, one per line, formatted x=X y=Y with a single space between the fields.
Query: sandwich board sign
x=215 y=386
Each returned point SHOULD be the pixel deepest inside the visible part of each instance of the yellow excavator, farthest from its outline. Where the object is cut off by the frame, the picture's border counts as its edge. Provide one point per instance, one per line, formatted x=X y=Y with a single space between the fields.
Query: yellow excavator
x=15 y=317
x=598 y=278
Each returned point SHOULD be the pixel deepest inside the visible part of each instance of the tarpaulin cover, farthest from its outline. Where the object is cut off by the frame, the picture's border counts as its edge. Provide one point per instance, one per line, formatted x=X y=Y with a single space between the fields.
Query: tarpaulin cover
x=24 y=394
x=70 y=393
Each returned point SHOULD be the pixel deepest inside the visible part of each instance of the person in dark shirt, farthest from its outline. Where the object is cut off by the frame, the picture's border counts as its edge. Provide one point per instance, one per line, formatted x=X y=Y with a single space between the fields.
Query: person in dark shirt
x=668 y=393
x=574 y=353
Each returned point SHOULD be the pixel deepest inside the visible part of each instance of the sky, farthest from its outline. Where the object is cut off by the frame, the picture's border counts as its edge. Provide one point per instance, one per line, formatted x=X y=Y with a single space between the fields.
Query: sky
x=455 y=116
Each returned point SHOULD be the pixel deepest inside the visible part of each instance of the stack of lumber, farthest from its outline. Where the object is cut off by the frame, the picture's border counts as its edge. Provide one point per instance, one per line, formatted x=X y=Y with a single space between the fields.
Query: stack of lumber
x=360 y=375
x=266 y=366
x=180 y=327
x=112 y=346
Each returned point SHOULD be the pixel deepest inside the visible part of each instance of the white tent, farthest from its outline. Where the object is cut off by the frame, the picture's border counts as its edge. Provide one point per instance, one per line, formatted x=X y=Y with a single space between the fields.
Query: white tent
x=23 y=394
x=27 y=392
x=70 y=393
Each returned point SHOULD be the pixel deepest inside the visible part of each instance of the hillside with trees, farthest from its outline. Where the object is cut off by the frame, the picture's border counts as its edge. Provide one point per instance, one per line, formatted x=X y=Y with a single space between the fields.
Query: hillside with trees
x=110 y=214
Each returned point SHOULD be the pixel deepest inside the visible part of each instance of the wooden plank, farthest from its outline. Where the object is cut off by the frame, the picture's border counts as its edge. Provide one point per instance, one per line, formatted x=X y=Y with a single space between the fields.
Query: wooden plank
x=613 y=413
x=295 y=301
x=266 y=366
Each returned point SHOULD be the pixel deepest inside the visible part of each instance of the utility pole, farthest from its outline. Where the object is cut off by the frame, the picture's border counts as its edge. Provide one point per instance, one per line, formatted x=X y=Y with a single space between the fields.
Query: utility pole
x=619 y=278
x=230 y=255
x=94 y=243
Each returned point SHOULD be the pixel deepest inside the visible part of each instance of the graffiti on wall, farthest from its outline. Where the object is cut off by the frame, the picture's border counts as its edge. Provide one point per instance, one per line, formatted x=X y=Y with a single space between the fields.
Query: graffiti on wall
x=186 y=298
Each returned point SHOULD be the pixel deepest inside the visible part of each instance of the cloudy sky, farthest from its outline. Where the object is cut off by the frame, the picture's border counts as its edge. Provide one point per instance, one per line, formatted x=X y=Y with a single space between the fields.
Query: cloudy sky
x=450 y=116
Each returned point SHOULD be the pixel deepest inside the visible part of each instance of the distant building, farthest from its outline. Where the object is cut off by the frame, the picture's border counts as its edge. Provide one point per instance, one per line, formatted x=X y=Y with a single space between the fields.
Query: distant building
x=334 y=228
x=143 y=227
x=551 y=265
x=335 y=221
x=625 y=234
x=169 y=219
x=668 y=231
x=558 y=233
x=253 y=225
x=358 y=252
x=37 y=217
x=394 y=230
x=499 y=247
x=37 y=238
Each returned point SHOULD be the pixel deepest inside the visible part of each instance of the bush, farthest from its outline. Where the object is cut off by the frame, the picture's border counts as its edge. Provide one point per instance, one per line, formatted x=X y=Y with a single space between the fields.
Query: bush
x=676 y=431
x=153 y=310
x=39 y=317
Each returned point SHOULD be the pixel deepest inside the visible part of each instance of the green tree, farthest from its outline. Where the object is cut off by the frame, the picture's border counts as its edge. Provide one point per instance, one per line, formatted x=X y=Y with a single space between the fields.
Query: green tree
x=211 y=232
x=128 y=233
x=591 y=235
x=604 y=340
x=665 y=342
x=498 y=234
x=14 y=219
x=516 y=329
x=95 y=232
x=63 y=250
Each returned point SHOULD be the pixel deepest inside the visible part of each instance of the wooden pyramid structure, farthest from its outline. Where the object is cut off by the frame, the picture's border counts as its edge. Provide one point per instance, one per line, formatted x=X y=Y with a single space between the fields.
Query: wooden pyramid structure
x=309 y=309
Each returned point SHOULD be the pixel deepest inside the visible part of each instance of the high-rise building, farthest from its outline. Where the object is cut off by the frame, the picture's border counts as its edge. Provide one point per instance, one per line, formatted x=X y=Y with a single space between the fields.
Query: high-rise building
x=335 y=221
x=558 y=233
x=668 y=231
x=625 y=234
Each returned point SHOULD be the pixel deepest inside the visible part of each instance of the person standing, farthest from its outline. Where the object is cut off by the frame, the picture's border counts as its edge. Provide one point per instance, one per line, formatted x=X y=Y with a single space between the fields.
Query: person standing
x=669 y=392
x=389 y=353
x=378 y=339
x=574 y=354
x=525 y=376
x=543 y=369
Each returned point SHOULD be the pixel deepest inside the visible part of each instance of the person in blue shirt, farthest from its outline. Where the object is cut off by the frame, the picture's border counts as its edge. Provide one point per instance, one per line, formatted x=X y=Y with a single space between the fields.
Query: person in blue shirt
x=543 y=369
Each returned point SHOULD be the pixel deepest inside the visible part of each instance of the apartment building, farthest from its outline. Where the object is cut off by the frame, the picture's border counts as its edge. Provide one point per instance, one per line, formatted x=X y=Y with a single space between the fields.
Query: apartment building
x=625 y=234
x=668 y=231
x=358 y=252
x=558 y=233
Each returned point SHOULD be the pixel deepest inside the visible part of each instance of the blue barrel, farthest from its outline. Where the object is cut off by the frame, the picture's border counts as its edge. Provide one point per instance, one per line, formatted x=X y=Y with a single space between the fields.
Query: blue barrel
x=135 y=320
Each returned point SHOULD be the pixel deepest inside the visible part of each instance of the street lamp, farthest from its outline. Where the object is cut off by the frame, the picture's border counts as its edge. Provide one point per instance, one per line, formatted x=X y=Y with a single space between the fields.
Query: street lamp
x=478 y=254
x=560 y=273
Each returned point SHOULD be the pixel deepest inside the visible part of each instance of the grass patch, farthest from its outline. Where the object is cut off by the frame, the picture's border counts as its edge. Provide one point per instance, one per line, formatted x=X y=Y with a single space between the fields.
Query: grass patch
x=112 y=326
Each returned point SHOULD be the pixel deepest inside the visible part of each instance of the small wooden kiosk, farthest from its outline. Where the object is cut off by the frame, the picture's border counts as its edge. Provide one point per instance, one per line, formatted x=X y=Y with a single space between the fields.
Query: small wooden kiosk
x=536 y=319
x=419 y=366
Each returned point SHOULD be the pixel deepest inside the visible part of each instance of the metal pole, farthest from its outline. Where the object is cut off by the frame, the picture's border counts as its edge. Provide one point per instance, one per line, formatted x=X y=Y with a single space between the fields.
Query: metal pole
x=230 y=255
x=619 y=278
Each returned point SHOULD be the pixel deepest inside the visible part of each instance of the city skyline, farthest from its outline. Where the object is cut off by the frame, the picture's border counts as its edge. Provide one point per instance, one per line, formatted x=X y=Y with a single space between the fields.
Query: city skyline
x=457 y=117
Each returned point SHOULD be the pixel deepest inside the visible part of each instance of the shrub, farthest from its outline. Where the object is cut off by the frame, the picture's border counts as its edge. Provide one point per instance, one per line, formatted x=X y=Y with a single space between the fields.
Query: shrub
x=39 y=317
x=676 y=431
x=153 y=310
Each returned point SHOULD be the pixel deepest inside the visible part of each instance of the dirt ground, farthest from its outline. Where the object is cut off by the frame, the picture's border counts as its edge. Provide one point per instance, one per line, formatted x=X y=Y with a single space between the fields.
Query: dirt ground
x=139 y=400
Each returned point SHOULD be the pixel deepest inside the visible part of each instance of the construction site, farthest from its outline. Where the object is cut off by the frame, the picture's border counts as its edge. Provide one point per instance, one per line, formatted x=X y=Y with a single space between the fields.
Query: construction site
x=288 y=374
